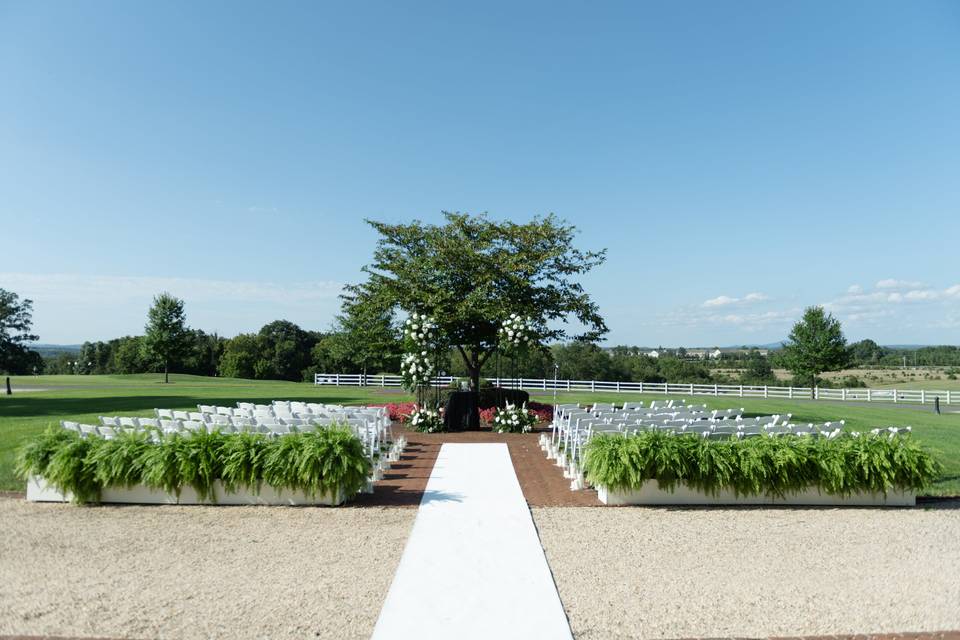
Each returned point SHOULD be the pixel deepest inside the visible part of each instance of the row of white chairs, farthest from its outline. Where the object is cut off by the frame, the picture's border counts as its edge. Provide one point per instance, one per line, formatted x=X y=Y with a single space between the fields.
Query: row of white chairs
x=371 y=425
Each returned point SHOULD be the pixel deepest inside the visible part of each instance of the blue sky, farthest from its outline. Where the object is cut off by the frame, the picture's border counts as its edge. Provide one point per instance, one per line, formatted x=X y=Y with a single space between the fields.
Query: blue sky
x=738 y=160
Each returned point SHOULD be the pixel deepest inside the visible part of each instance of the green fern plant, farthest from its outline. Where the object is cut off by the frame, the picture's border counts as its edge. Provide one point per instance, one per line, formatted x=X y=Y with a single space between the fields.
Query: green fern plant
x=760 y=466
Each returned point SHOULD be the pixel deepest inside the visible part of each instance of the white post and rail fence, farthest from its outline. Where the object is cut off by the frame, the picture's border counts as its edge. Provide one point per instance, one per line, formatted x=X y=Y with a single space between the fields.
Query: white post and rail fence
x=918 y=396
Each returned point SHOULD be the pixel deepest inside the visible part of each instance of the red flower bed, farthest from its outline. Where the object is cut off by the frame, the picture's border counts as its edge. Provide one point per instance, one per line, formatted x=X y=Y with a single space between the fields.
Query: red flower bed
x=399 y=411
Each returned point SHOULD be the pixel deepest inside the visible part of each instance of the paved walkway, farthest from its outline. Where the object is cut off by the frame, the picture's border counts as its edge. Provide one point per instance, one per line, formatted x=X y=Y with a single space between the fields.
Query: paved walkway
x=473 y=566
x=541 y=481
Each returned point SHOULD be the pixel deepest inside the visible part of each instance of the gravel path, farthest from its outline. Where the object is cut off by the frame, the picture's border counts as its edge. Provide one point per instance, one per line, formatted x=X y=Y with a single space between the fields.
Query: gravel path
x=196 y=572
x=683 y=573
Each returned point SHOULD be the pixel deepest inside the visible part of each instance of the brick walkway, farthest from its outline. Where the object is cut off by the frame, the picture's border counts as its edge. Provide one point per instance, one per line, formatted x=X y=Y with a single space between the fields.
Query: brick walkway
x=542 y=481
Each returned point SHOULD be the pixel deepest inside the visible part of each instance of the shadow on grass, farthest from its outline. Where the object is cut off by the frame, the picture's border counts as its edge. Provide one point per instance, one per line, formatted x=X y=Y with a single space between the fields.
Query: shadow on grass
x=30 y=407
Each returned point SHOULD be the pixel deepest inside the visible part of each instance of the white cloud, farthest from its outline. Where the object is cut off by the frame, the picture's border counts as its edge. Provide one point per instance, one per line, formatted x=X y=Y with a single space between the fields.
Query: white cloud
x=891 y=283
x=953 y=292
x=922 y=294
x=723 y=301
x=854 y=288
x=720 y=301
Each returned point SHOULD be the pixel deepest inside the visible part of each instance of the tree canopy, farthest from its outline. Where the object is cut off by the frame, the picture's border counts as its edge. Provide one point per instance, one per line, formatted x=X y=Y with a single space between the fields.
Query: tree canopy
x=471 y=273
x=166 y=335
x=816 y=344
x=16 y=321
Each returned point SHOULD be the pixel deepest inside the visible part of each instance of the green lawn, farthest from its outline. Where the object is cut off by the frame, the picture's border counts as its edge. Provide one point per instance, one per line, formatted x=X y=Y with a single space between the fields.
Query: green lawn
x=940 y=434
x=84 y=398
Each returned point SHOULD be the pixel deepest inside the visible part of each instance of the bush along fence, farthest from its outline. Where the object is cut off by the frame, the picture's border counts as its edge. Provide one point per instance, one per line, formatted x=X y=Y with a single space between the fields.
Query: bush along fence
x=327 y=466
x=922 y=396
x=658 y=468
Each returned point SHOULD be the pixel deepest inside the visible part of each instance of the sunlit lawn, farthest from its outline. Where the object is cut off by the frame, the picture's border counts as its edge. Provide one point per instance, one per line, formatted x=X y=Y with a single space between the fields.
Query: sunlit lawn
x=85 y=398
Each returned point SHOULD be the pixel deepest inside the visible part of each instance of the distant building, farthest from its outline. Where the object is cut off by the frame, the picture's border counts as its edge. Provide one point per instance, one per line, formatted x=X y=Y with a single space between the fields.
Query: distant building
x=653 y=354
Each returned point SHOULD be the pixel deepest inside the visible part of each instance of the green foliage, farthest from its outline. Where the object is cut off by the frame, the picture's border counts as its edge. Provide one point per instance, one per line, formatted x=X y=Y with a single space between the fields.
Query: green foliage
x=281 y=350
x=758 y=370
x=472 y=272
x=69 y=470
x=326 y=462
x=16 y=320
x=760 y=466
x=166 y=335
x=816 y=344
x=119 y=462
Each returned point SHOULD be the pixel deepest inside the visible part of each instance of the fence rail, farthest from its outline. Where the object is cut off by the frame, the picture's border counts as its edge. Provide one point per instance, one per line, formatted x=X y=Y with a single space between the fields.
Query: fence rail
x=918 y=396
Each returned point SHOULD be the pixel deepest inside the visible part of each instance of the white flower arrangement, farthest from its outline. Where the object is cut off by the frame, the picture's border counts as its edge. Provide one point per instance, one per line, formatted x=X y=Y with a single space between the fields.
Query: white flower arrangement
x=420 y=328
x=417 y=369
x=420 y=331
x=514 y=419
x=516 y=332
x=426 y=420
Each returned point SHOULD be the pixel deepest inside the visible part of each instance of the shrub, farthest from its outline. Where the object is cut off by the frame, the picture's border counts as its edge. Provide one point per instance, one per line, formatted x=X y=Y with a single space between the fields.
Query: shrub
x=755 y=466
x=325 y=461
x=513 y=419
x=427 y=421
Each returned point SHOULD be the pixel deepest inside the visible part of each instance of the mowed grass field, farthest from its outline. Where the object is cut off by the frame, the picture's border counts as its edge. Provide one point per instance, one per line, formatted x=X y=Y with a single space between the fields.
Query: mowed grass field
x=940 y=434
x=85 y=398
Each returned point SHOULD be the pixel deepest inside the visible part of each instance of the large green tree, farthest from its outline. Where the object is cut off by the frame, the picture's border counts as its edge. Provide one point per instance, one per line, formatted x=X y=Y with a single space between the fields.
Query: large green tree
x=471 y=273
x=16 y=321
x=284 y=351
x=167 y=337
x=816 y=344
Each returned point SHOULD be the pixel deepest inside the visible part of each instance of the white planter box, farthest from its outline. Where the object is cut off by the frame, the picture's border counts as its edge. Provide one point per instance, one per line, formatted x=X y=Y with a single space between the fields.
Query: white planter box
x=651 y=494
x=39 y=491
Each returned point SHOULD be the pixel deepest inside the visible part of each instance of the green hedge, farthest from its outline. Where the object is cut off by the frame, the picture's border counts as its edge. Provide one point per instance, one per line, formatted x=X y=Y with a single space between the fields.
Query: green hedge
x=322 y=462
x=759 y=466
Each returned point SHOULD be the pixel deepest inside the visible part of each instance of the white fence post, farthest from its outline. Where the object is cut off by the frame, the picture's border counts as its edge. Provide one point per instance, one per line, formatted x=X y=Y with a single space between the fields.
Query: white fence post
x=869 y=395
x=338 y=379
x=593 y=385
x=741 y=391
x=691 y=389
x=790 y=392
x=843 y=394
x=641 y=390
x=948 y=397
x=816 y=393
x=618 y=386
x=895 y=394
x=923 y=396
x=766 y=393
x=716 y=390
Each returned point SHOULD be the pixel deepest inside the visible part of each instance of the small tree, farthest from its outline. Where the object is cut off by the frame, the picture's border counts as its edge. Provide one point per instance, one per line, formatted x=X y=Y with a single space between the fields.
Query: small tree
x=816 y=344
x=166 y=334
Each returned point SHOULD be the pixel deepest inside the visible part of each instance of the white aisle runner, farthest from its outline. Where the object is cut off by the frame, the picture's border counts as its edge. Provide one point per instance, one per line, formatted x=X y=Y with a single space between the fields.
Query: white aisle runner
x=473 y=566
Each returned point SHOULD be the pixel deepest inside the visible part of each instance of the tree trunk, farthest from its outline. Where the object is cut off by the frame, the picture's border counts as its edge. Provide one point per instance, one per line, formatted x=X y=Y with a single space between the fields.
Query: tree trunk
x=166 y=372
x=473 y=365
